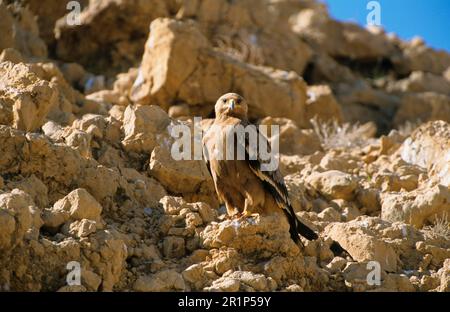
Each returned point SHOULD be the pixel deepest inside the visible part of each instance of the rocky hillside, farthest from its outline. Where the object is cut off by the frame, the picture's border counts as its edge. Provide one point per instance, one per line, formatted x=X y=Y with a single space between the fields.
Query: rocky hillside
x=86 y=173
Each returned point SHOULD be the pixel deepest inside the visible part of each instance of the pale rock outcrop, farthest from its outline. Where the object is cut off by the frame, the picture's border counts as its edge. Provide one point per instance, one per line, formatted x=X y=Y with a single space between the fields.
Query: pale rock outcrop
x=77 y=205
x=19 y=219
x=250 y=32
x=321 y=104
x=142 y=126
x=418 y=207
x=426 y=106
x=421 y=82
x=291 y=139
x=340 y=39
x=362 y=243
x=19 y=30
x=417 y=56
x=26 y=99
x=168 y=280
x=429 y=147
x=334 y=184
x=98 y=27
x=178 y=49
x=249 y=236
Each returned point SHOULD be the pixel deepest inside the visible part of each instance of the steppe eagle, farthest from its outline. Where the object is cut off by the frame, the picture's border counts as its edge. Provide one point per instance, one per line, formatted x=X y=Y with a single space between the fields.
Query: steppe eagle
x=240 y=182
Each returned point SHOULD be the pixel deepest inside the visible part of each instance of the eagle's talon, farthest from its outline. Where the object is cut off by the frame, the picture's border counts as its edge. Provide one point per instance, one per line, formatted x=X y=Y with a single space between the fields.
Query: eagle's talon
x=236 y=216
x=247 y=214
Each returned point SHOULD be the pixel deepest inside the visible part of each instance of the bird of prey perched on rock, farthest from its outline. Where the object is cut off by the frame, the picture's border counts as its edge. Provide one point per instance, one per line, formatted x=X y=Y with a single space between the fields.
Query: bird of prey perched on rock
x=240 y=182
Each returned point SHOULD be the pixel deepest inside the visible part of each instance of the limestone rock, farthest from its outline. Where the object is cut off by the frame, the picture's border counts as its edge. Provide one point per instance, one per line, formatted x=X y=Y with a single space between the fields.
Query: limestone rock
x=20 y=31
x=428 y=147
x=291 y=139
x=168 y=280
x=362 y=244
x=186 y=177
x=26 y=99
x=249 y=236
x=77 y=205
x=174 y=247
x=172 y=43
x=322 y=105
x=19 y=219
x=82 y=228
x=224 y=284
x=99 y=29
x=334 y=184
x=34 y=187
x=427 y=106
x=340 y=39
x=141 y=126
x=417 y=207
x=419 y=57
x=422 y=82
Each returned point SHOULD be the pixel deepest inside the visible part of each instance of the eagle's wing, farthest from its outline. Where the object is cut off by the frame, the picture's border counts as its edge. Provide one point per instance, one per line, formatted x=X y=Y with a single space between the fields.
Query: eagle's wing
x=274 y=183
x=206 y=156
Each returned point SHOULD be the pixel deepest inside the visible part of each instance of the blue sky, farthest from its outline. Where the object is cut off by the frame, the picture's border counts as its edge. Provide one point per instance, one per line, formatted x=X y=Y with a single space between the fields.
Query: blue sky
x=429 y=19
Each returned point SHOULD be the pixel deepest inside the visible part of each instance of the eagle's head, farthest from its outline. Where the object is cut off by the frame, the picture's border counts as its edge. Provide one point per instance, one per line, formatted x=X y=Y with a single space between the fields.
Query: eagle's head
x=231 y=105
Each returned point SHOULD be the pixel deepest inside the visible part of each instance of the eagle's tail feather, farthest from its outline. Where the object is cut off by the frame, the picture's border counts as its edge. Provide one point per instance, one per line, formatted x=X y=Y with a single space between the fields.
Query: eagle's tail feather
x=305 y=231
x=296 y=228
x=293 y=230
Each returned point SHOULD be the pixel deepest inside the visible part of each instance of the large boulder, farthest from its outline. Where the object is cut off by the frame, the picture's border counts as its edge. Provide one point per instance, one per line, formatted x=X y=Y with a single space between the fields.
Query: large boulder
x=334 y=184
x=167 y=280
x=418 y=207
x=322 y=105
x=345 y=40
x=148 y=129
x=264 y=235
x=429 y=147
x=77 y=205
x=47 y=13
x=179 y=66
x=19 y=30
x=19 y=219
x=421 y=82
x=416 y=56
x=253 y=31
x=291 y=139
x=25 y=98
x=425 y=106
x=104 y=46
x=362 y=243
x=142 y=126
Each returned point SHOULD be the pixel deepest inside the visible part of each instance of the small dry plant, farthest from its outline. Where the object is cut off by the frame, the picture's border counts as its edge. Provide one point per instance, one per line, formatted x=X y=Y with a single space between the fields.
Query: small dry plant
x=440 y=228
x=332 y=134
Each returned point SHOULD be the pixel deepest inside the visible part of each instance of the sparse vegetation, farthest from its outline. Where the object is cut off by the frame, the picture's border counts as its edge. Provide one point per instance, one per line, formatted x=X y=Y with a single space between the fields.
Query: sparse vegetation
x=332 y=134
x=440 y=228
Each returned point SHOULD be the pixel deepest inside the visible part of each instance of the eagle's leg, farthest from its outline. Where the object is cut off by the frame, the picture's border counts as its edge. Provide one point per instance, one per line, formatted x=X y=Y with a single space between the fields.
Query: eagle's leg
x=231 y=211
x=248 y=208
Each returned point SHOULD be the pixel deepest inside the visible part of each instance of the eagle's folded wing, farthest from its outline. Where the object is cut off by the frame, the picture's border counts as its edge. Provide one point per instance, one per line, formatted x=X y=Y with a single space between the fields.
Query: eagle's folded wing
x=274 y=183
x=273 y=178
x=206 y=156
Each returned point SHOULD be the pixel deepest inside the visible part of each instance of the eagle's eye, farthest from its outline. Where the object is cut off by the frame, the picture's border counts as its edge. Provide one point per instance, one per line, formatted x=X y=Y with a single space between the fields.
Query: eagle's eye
x=224 y=100
x=239 y=101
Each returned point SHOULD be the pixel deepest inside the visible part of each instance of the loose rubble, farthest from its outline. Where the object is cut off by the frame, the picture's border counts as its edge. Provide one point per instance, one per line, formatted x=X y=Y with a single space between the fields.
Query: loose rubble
x=87 y=177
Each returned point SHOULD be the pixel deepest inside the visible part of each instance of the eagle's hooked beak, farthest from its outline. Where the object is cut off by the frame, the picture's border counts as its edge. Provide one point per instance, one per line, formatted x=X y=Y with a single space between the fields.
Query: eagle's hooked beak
x=232 y=104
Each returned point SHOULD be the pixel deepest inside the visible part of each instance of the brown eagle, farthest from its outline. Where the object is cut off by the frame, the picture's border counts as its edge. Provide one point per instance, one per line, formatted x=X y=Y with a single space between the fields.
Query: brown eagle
x=240 y=182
